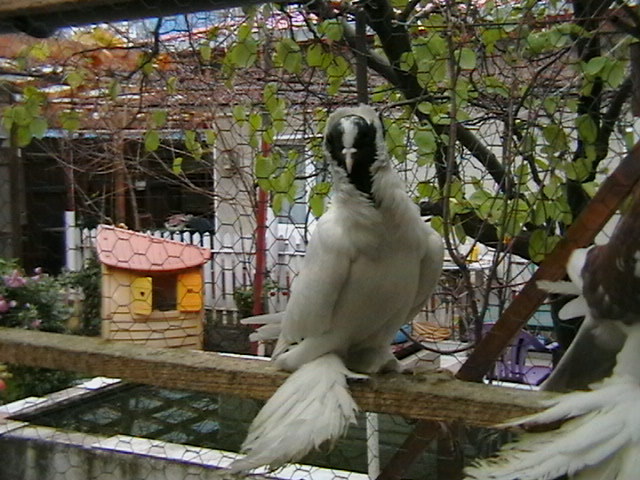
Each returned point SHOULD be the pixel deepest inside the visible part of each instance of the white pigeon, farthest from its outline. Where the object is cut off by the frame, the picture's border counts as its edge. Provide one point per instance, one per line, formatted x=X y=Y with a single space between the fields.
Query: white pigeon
x=370 y=267
x=600 y=436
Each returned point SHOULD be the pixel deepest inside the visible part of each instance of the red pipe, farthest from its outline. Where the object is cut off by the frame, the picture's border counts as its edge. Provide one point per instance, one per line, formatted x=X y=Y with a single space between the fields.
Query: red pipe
x=261 y=250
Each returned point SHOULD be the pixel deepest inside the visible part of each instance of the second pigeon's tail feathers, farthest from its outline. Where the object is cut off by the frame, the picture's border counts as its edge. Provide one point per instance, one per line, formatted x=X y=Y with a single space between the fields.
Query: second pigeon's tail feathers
x=600 y=441
x=312 y=406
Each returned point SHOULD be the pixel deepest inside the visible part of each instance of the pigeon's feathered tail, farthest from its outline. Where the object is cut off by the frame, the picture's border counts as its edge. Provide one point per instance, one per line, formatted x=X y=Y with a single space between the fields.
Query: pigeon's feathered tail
x=312 y=406
x=600 y=441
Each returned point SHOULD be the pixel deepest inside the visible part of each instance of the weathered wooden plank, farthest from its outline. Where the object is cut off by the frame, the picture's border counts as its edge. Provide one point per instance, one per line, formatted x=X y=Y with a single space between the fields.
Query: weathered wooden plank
x=430 y=396
x=41 y=18
x=22 y=7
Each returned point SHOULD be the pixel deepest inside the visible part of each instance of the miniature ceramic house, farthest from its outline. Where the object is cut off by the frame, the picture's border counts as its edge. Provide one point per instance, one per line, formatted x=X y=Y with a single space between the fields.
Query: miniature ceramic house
x=152 y=289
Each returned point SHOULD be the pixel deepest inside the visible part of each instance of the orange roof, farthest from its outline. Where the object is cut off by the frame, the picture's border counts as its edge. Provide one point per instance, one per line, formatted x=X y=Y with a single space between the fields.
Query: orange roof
x=131 y=250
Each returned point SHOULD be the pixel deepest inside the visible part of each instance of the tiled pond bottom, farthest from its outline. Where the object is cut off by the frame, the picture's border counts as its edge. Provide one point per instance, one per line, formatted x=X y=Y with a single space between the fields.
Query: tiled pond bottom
x=105 y=429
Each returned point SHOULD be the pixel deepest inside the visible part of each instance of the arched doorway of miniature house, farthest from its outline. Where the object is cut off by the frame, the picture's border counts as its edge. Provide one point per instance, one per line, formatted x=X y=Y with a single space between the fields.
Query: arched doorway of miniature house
x=152 y=289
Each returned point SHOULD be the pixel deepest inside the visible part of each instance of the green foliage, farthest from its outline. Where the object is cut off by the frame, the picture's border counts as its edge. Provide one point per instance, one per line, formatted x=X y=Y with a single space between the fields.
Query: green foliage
x=31 y=301
x=540 y=244
x=25 y=120
x=288 y=55
x=70 y=120
x=331 y=30
x=75 y=78
x=87 y=282
x=40 y=302
x=244 y=52
x=151 y=140
x=318 y=198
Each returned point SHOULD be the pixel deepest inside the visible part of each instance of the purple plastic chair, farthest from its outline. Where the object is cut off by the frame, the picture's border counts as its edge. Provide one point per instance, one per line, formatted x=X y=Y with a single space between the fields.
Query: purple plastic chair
x=511 y=366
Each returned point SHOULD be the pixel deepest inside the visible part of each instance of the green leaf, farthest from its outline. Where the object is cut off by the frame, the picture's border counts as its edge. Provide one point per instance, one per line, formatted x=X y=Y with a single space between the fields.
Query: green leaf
x=490 y=36
x=21 y=115
x=317 y=57
x=496 y=86
x=264 y=167
x=7 y=118
x=467 y=59
x=40 y=51
x=517 y=215
x=22 y=136
x=425 y=140
x=210 y=136
x=239 y=113
x=556 y=137
x=595 y=66
x=205 y=52
x=431 y=47
x=318 y=198
x=38 y=127
x=172 y=83
x=428 y=190
x=255 y=121
x=615 y=73
x=337 y=71
x=437 y=224
x=192 y=143
x=587 y=128
x=114 y=89
x=317 y=205
x=541 y=244
x=458 y=229
x=74 y=79
x=70 y=120
x=176 y=167
x=579 y=169
x=483 y=202
x=159 y=118
x=270 y=95
x=407 y=61
x=245 y=31
x=396 y=141
x=244 y=53
x=288 y=55
x=331 y=29
x=151 y=140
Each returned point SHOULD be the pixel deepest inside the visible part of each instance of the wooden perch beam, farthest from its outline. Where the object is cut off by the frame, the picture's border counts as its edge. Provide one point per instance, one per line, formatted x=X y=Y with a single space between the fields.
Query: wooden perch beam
x=433 y=396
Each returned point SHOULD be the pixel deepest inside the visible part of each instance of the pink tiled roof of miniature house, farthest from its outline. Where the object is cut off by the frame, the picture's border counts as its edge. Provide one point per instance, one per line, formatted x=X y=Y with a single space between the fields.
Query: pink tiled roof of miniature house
x=130 y=250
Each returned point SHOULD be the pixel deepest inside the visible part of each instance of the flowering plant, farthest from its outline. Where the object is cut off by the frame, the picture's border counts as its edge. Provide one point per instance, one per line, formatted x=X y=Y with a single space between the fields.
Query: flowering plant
x=38 y=302
x=34 y=301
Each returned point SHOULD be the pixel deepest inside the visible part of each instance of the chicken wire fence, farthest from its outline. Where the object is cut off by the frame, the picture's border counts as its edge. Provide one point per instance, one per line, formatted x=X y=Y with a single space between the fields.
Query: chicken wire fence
x=204 y=132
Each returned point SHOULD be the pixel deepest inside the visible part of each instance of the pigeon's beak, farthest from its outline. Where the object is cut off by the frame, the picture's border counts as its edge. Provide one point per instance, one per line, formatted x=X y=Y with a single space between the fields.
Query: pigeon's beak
x=348 y=158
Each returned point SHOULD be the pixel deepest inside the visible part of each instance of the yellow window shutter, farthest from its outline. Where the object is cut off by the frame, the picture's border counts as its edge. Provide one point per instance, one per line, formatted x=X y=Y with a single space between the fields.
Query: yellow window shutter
x=141 y=296
x=190 y=292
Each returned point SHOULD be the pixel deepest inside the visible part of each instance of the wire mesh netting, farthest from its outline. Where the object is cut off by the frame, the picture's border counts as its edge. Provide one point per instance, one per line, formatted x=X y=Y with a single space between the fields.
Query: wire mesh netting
x=161 y=176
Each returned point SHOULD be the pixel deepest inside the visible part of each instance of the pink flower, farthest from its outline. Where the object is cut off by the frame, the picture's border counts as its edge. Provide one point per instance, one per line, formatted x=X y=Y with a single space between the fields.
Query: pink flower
x=4 y=305
x=38 y=273
x=36 y=324
x=15 y=280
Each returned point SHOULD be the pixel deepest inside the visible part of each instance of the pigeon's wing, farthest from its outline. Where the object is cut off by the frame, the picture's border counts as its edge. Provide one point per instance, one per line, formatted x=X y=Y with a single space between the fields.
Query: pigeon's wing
x=589 y=359
x=430 y=270
x=317 y=288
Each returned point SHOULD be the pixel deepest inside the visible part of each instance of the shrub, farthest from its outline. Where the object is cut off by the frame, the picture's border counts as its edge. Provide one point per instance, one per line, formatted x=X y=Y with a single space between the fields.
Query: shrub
x=35 y=302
